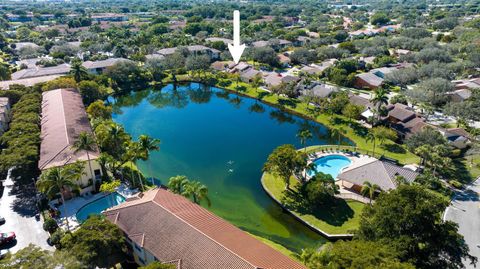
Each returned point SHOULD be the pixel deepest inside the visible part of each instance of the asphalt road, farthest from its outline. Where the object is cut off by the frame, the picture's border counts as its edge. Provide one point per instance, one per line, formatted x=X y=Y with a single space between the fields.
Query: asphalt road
x=465 y=210
x=17 y=206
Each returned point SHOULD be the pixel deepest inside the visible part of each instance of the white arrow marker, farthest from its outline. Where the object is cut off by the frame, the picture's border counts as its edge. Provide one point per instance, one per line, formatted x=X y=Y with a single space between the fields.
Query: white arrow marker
x=236 y=49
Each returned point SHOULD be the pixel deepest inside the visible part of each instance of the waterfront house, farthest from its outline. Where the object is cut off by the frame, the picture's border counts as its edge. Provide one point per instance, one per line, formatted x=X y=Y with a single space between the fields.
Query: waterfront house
x=379 y=172
x=98 y=67
x=166 y=227
x=63 y=119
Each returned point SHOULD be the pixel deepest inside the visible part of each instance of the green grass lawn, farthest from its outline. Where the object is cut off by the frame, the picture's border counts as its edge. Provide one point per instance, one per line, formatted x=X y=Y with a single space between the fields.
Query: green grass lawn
x=285 y=251
x=341 y=218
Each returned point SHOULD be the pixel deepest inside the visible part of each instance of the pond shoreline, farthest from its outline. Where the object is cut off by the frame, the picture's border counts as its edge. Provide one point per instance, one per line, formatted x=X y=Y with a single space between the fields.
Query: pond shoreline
x=331 y=237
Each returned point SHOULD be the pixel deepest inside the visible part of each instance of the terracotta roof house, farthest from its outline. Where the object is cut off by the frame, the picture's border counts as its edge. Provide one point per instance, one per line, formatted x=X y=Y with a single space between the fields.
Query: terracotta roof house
x=63 y=119
x=166 y=227
x=378 y=172
x=368 y=80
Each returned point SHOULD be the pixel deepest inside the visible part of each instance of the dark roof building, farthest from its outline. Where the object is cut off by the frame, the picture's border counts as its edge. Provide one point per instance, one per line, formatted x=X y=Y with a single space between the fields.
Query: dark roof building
x=377 y=172
x=368 y=80
x=400 y=113
x=170 y=228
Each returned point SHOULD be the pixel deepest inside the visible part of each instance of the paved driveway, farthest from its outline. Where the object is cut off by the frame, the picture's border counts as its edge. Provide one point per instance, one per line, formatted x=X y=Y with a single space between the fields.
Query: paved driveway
x=17 y=206
x=465 y=211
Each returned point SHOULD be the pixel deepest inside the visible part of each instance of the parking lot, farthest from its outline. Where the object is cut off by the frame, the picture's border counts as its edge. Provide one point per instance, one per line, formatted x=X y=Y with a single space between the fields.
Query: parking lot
x=17 y=206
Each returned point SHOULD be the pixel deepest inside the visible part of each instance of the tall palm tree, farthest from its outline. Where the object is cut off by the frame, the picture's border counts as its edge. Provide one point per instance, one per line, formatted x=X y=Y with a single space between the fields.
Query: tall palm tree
x=177 y=184
x=78 y=70
x=369 y=189
x=58 y=180
x=379 y=99
x=198 y=192
x=337 y=133
x=371 y=137
x=148 y=144
x=304 y=135
x=86 y=142
x=134 y=153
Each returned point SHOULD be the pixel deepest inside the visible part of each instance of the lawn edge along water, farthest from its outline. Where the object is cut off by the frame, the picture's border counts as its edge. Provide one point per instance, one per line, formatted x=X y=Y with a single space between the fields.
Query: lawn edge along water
x=274 y=187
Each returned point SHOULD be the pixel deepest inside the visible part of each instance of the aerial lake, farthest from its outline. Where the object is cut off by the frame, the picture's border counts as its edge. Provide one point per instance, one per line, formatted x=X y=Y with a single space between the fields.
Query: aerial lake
x=222 y=140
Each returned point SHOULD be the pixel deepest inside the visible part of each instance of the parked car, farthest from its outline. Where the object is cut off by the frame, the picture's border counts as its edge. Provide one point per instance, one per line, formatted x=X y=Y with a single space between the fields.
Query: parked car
x=6 y=238
x=3 y=253
x=2 y=220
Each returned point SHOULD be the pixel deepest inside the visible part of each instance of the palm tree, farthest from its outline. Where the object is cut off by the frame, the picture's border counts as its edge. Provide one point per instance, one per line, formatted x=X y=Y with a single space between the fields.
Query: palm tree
x=379 y=99
x=85 y=142
x=369 y=189
x=134 y=153
x=177 y=184
x=256 y=82
x=58 y=180
x=78 y=70
x=337 y=133
x=371 y=137
x=304 y=135
x=198 y=191
x=148 y=144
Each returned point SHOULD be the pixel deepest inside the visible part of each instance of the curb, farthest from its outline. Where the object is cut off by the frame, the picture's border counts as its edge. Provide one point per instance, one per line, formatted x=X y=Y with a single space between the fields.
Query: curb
x=296 y=216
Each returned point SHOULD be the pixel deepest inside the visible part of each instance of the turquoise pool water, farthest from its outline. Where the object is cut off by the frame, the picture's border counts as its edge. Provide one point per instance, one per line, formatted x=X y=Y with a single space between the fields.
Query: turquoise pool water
x=97 y=206
x=331 y=164
x=221 y=140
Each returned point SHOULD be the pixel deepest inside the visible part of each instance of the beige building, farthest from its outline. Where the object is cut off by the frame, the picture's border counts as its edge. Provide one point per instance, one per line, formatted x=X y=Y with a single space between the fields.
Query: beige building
x=63 y=119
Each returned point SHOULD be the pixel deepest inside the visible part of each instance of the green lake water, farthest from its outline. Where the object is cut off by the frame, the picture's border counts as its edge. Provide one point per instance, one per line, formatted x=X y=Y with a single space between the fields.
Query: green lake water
x=221 y=140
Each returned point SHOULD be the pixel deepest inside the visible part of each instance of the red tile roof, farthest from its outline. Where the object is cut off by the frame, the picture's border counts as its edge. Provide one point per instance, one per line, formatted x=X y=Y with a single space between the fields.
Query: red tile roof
x=171 y=227
x=63 y=119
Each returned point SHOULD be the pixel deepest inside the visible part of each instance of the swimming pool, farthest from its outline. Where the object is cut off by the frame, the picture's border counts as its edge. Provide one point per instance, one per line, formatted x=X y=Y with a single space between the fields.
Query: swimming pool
x=97 y=206
x=331 y=164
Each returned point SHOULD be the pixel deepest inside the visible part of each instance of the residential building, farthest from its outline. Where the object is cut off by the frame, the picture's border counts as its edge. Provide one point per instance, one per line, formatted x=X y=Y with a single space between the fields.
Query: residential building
x=63 y=119
x=194 y=49
x=38 y=71
x=99 y=17
x=323 y=90
x=379 y=172
x=21 y=45
x=5 y=85
x=460 y=95
x=456 y=137
x=249 y=74
x=226 y=41
x=98 y=67
x=400 y=113
x=4 y=114
x=162 y=226
x=368 y=80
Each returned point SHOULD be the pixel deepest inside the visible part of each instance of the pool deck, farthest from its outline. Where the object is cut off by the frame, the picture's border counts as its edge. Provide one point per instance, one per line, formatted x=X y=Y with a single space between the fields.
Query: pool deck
x=73 y=205
x=356 y=161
